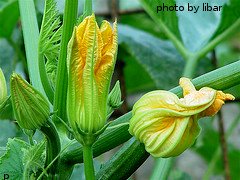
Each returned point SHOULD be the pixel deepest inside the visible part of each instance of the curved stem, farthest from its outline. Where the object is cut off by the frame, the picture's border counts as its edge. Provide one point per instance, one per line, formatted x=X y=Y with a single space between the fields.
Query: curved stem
x=88 y=162
x=53 y=147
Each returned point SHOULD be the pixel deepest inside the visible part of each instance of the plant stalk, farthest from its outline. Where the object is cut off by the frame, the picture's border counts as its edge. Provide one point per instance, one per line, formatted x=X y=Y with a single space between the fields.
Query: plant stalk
x=224 y=147
x=88 y=162
x=190 y=67
x=31 y=36
x=69 y=20
x=88 y=7
x=162 y=168
x=53 y=147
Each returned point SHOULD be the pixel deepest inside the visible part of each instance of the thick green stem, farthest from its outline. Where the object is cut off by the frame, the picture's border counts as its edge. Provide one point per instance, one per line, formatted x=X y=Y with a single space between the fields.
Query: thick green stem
x=126 y=161
x=190 y=67
x=162 y=168
x=31 y=36
x=69 y=20
x=88 y=162
x=88 y=7
x=53 y=147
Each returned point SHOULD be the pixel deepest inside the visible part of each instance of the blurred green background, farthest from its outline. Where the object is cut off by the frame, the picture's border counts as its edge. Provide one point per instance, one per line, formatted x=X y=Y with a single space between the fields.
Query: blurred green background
x=148 y=60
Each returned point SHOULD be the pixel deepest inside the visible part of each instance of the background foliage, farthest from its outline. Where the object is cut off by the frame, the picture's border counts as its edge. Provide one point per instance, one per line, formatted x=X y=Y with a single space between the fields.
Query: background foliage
x=153 y=51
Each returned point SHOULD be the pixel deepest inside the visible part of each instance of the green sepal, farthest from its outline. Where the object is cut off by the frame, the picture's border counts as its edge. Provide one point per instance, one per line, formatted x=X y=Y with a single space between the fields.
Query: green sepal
x=88 y=138
x=30 y=107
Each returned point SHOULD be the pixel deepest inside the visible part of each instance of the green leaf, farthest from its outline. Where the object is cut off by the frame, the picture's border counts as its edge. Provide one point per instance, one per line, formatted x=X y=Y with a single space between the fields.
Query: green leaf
x=135 y=81
x=11 y=162
x=6 y=111
x=149 y=59
x=230 y=14
x=33 y=159
x=8 y=130
x=159 y=58
x=168 y=18
x=198 y=28
x=50 y=36
x=9 y=15
x=147 y=24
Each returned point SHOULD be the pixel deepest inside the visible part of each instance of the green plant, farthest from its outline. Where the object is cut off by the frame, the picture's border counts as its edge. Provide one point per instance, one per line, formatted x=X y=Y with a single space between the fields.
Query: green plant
x=70 y=65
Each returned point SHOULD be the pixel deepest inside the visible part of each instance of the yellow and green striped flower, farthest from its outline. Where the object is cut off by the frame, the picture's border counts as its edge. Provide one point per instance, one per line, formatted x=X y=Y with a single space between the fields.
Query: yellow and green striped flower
x=168 y=125
x=92 y=54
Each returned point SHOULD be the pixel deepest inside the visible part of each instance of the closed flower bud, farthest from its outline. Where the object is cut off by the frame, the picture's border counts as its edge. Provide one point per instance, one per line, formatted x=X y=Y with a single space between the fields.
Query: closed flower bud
x=114 y=97
x=30 y=107
x=168 y=125
x=3 y=88
x=91 y=58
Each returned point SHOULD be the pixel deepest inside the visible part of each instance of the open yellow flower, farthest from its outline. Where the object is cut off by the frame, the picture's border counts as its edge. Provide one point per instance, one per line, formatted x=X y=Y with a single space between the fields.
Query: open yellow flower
x=168 y=125
x=91 y=58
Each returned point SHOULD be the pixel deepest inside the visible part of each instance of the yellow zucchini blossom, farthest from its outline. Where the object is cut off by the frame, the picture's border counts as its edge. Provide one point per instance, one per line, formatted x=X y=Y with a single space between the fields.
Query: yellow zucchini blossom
x=168 y=125
x=92 y=54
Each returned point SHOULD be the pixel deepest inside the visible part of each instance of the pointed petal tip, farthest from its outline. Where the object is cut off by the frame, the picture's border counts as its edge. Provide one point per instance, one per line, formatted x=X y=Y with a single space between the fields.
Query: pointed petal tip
x=225 y=97
x=186 y=85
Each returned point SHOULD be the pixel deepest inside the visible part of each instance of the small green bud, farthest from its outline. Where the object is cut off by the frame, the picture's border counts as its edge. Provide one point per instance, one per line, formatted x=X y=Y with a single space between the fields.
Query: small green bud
x=114 y=98
x=3 y=87
x=30 y=107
